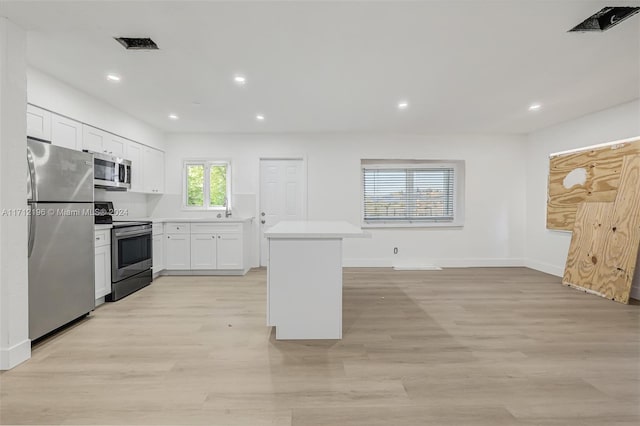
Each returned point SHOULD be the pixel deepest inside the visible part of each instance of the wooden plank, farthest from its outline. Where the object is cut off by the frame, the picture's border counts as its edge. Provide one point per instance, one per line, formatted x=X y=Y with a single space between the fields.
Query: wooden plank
x=600 y=167
x=608 y=236
x=587 y=244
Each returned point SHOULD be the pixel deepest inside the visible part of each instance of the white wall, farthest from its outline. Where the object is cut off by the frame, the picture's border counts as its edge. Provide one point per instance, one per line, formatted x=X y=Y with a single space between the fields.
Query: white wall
x=493 y=234
x=547 y=250
x=15 y=346
x=50 y=93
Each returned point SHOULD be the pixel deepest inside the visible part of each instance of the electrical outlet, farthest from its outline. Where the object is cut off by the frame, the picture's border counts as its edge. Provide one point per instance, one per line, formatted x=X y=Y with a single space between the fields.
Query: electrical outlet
x=395 y=250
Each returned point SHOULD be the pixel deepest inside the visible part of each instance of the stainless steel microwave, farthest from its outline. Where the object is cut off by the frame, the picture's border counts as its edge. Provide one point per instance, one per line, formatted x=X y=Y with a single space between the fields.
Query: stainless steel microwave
x=111 y=173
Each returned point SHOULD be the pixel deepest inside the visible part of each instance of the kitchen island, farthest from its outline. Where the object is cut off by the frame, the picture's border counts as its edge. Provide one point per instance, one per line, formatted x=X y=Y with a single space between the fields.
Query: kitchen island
x=304 y=278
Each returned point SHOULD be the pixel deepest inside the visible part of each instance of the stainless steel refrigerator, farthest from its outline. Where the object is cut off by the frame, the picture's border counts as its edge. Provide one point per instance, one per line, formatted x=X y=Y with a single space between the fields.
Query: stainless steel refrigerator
x=61 y=246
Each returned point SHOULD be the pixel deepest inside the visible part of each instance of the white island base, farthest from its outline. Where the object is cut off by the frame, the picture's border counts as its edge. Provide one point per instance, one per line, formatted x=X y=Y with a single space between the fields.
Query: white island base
x=304 y=279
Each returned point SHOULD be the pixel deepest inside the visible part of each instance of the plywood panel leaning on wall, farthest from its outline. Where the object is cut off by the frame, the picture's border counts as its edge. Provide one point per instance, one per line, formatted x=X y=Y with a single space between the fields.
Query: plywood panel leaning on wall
x=589 y=175
x=606 y=236
x=593 y=220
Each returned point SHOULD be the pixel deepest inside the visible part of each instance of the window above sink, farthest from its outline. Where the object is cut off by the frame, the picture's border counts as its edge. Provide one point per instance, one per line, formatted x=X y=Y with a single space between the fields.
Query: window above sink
x=206 y=185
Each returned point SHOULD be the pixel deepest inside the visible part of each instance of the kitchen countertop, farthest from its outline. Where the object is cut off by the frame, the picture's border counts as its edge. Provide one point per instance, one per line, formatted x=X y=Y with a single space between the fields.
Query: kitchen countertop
x=205 y=219
x=315 y=229
x=190 y=219
x=103 y=226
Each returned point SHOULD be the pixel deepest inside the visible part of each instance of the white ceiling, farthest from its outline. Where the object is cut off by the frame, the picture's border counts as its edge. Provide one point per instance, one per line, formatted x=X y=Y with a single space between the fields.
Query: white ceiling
x=471 y=66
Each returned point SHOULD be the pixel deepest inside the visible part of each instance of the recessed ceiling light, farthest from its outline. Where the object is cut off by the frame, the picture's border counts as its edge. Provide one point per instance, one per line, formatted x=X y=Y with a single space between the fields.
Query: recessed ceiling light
x=403 y=105
x=534 y=107
x=240 y=80
x=173 y=116
x=113 y=77
x=260 y=117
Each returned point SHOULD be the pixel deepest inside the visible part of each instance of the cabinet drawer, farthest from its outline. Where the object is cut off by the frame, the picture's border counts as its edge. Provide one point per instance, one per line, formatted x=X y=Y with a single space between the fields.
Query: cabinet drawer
x=215 y=228
x=157 y=228
x=102 y=237
x=176 y=228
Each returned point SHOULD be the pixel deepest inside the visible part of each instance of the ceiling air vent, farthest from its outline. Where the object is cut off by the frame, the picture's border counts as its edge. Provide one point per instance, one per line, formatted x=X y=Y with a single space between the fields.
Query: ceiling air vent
x=137 y=43
x=605 y=19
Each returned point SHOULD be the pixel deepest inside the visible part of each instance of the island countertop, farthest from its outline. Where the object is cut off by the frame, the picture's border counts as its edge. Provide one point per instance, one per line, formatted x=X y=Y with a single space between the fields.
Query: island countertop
x=315 y=229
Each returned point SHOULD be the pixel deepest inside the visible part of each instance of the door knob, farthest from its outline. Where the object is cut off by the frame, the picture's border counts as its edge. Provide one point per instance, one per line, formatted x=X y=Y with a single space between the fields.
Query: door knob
x=263 y=222
x=262 y=214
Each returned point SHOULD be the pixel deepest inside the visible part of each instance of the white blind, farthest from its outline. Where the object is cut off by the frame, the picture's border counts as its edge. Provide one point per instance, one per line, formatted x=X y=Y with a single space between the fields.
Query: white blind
x=408 y=194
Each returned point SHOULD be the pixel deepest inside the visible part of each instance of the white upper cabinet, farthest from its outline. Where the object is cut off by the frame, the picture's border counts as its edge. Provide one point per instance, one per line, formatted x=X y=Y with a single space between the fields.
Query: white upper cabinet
x=134 y=154
x=115 y=145
x=38 y=123
x=147 y=164
x=93 y=139
x=153 y=170
x=97 y=140
x=65 y=132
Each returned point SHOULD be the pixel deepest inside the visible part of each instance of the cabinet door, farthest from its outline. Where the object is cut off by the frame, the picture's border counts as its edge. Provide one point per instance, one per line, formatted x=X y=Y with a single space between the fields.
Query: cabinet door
x=134 y=154
x=158 y=253
x=229 y=251
x=115 y=145
x=203 y=251
x=159 y=168
x=153 y=171
x=93 y=139
x=65 y=132
x=38 y=123
x=177 y=252
x=103 y=271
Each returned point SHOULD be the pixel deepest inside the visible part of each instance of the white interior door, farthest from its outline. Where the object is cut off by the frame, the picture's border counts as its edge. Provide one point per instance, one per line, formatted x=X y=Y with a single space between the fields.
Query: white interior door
x=283 y=196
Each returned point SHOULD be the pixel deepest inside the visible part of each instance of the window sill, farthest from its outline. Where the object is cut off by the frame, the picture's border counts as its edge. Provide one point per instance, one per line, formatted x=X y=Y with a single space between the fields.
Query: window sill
x=203 y=209
x=389 y=225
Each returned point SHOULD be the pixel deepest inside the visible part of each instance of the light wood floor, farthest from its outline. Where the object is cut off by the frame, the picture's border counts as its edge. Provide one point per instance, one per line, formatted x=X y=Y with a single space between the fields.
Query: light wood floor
x=502 y=346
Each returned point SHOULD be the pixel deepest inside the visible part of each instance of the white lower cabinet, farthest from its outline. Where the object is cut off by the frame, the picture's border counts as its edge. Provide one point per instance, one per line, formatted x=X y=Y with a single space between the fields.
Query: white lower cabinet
x=212 y=247
x=102 y=277
x=177 y=252
x=158 y=253
x=229 y=251
x=203 y=251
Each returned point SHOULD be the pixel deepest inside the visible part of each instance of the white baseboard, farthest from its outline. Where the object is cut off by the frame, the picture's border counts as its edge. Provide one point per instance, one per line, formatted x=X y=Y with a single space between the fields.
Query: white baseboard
x=416 y=268
x=442 y=263
x=547 y=268
x=16 y=354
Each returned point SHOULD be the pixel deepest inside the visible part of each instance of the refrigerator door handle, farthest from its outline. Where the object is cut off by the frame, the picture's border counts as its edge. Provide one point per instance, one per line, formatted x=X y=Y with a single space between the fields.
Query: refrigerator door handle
x=32 y=229
x=29 y=181
x=31 y=196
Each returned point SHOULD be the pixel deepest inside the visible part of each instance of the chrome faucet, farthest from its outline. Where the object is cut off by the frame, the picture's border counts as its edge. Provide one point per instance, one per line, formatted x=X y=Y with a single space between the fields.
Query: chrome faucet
x=227 y=208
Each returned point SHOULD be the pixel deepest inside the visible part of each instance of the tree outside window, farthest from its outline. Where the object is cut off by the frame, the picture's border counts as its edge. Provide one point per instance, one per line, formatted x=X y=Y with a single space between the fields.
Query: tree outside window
x=207 y=184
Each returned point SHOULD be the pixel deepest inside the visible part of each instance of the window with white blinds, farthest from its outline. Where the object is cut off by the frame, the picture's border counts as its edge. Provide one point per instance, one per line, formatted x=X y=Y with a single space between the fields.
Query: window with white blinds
x=416 y=192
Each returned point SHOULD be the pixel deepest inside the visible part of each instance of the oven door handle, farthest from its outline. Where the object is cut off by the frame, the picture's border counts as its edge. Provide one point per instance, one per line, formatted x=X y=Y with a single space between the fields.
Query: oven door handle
x=136 y=233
